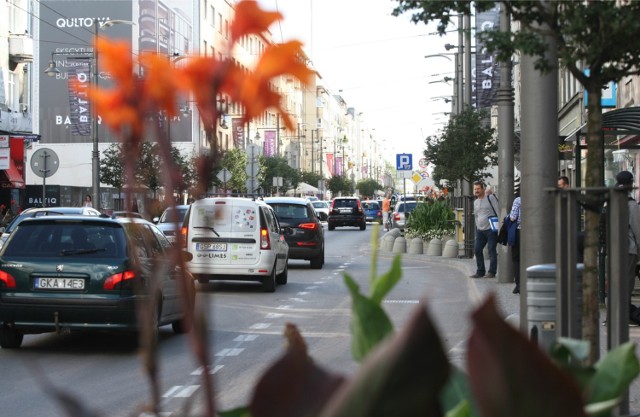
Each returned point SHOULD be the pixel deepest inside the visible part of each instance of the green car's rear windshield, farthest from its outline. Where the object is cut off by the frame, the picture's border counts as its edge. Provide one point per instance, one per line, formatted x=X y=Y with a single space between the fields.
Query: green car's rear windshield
x=59 y=239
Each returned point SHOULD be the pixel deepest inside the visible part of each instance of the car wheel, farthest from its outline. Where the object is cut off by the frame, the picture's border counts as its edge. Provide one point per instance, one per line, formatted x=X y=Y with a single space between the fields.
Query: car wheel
x=269 y=283
x=363 y=226
x=10 y=337
x=316 y=263
x=284 y=276
x=181 y=326
x=331 y=227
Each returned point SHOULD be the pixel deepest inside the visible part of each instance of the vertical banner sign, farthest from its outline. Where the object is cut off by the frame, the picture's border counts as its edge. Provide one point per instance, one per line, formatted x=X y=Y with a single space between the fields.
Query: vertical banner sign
x=237 y=127
x=330 y=164
x=487 y=71
x=79 y=107
x=269 y=147
x=338 y=165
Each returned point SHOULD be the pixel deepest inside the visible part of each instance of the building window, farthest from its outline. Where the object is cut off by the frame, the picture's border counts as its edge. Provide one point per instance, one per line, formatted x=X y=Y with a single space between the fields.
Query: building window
x=219 y=23
x=213 y=16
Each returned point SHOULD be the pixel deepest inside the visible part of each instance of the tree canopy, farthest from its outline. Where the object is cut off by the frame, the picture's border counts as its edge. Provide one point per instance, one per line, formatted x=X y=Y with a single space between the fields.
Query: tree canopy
x=464 y=150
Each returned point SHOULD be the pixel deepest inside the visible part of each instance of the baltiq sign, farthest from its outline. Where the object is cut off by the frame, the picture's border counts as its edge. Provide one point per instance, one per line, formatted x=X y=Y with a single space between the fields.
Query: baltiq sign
x=486 y=71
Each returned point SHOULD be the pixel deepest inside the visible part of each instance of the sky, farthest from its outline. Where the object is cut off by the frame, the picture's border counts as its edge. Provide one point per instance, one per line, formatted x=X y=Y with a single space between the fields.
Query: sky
x=378 y=61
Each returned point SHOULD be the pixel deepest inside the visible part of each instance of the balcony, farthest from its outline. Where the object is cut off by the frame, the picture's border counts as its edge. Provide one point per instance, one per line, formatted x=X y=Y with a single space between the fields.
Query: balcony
x=20 y=48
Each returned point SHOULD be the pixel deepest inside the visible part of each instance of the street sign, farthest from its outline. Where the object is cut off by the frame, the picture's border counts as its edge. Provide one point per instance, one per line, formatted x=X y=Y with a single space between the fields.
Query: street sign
x=252 y=185
x=252 y=169
x=253 y=151
x=44 y=162
x=416 y=178
x=404 y=162
x=423 y=162
x=224 y=175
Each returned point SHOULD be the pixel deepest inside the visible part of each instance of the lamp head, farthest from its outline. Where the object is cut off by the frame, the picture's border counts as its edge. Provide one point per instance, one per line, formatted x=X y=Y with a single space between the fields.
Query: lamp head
x=449 y=47
x=52 y=70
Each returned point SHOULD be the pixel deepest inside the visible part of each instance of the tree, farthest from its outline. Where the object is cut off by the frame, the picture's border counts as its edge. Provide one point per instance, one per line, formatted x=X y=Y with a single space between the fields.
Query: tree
x=590 y=34
x=311 y=178
x=112 y=167
x=148 y=169
x=464 y=150
x=274 y=166
x=235 y=160
x=368 y=187
x=340 y=185
x=187 y=171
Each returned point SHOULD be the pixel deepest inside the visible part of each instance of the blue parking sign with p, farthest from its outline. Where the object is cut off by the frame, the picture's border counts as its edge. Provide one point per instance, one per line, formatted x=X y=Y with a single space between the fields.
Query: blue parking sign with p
x=403 y=162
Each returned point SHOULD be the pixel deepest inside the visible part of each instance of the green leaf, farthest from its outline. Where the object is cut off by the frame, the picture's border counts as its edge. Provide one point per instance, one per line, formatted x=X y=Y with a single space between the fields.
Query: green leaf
x=461 y=410
x=456 y=392
x=369 y=324
x=382 y=285
x=511 y=376
x=614 y=373
x=403 y=377
x=565 y=349
x=236 y=412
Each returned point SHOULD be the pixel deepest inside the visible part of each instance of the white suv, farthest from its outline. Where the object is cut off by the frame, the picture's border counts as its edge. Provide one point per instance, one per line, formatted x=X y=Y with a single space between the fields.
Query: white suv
x=235 y=239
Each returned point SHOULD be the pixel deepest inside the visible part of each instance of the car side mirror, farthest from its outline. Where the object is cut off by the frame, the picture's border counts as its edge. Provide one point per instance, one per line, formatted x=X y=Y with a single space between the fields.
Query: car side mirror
x=156 y=220
x=287 y=231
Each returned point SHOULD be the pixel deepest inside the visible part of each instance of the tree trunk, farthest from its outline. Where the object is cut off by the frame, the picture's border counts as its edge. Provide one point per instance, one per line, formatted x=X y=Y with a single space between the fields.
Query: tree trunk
x=594 y=178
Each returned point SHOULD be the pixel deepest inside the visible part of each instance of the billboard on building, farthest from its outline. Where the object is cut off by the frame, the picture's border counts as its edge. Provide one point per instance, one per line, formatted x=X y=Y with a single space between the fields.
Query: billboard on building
x=67 y=32
x=269 y=147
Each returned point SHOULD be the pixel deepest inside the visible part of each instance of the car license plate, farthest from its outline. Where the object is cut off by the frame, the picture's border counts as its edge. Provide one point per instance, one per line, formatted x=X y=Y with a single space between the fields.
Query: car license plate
x=215 y=247
x=59 y=283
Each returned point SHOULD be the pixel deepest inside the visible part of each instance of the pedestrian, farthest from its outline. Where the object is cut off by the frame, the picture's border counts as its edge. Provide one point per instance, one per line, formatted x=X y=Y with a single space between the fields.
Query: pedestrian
x=563 y=182
x=485 y=206
x=514 y=216
x=386 y=210
x=624 y=180
x=87 y=201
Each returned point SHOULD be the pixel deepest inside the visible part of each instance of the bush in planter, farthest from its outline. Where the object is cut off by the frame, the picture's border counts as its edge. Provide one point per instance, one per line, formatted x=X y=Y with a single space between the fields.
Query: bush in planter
x=431 y=219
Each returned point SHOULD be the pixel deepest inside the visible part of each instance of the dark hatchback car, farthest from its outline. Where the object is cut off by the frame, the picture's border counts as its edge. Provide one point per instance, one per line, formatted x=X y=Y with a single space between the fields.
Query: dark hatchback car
x=74 y=273
x=171 y=220
x=346 y=211
x=307 y=238
x=372 y=211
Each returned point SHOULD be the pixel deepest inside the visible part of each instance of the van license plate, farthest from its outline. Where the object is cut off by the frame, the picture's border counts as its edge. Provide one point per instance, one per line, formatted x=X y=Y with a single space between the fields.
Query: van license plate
x=216 y=247
x=59 y=283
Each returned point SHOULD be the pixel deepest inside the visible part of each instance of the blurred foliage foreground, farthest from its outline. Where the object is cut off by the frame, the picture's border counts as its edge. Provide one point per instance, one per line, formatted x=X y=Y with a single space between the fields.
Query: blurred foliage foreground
x=404 y=374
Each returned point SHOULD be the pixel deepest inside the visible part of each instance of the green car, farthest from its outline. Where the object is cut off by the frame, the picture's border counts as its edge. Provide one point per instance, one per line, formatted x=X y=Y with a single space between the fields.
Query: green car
x=72 y=273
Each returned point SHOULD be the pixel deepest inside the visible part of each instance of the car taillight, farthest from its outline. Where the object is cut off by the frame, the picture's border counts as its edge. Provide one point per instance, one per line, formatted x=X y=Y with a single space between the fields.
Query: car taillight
x=396 y=216
x=264 y=239
x=359 y=207
x=183 y=232
x=379 y=214
x=308 y=226
x=7 y=280
x=117 y=281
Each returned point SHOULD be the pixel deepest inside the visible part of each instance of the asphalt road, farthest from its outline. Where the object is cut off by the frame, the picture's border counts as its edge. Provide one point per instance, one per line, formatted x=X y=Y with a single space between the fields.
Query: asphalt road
x=245 y=333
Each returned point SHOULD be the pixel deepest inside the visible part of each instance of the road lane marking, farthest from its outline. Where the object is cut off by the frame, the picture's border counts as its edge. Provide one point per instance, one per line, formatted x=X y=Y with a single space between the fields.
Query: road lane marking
x=260 y=326
x=313 y=287
x=186 y=392
x=212 y=371
x=246 y=338
x=273 y=315
x=401 y=301
x=230 y=352
x=303 y=292
x=297 y=300
x=284 y=307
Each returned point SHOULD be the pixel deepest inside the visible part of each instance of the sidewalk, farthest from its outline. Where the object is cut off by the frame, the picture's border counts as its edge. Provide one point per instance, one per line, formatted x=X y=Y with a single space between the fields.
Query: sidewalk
x=509 y=304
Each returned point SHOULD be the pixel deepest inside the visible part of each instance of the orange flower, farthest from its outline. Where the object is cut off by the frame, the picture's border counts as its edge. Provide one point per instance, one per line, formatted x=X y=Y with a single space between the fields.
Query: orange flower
x=251 y=19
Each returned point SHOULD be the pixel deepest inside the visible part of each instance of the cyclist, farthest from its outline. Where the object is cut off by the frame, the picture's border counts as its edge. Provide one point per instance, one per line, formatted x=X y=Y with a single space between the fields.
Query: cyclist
x=386 y=211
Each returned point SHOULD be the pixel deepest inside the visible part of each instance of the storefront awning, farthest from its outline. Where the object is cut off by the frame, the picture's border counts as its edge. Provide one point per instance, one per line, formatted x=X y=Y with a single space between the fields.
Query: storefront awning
x=621 y=122
x=13 y=176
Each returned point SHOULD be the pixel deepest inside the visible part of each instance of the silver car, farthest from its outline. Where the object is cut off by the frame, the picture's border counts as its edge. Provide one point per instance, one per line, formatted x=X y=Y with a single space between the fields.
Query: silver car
x=43 y=211
x=399 y=215
x=171 y=220
x=322 y=209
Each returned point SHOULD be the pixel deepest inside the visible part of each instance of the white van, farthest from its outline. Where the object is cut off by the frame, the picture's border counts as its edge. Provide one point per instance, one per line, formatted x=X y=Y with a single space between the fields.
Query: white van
x=235 y=239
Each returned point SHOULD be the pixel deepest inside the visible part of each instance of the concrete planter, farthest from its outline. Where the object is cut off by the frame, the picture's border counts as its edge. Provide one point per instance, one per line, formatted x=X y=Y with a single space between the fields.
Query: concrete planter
x=435 y=247
x=416 y=246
